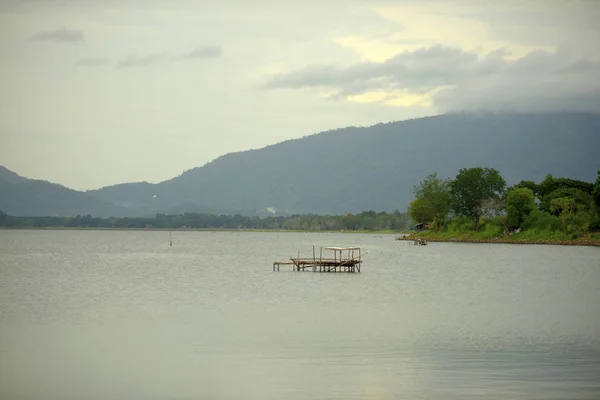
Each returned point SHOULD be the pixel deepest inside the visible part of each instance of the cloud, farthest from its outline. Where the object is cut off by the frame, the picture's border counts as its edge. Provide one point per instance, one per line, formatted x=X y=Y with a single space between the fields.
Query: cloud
x=422 y=69
x=139 y=61
x=457 y=79
x=135 y=60
x=203 y=52
x=92 y=62
x=59 y=35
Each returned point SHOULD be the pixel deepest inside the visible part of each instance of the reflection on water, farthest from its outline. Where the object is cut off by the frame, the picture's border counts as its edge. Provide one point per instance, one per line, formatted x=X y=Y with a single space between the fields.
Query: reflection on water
x=121 y=315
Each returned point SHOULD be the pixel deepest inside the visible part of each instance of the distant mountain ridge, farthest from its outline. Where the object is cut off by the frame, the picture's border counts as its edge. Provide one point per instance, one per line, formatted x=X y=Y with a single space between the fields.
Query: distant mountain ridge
x=32 y=197
x=7 y=175
x=362 y=168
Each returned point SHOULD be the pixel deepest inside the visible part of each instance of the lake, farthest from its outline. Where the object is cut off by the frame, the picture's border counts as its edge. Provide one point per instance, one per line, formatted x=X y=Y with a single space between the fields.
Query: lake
x=122 y=315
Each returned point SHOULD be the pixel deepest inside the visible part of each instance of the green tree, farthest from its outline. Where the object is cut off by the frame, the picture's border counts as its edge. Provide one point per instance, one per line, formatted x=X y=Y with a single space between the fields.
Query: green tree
x=529 y=185
x=472 y=187
x=432 y=203
x=582 y=199
x=566 y=186
x=419 y=211
x=565 y=208
x=596 y=191
x=352 y=222
x=519 y=204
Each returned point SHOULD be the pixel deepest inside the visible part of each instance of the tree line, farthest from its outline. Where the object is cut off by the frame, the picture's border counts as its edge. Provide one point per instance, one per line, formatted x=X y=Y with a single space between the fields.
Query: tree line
x=365 y=221
x=479 y=196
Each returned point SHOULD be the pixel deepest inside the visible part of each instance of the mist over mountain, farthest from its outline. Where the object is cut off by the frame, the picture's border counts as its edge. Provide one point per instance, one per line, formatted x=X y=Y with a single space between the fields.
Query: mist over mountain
x=355 y=168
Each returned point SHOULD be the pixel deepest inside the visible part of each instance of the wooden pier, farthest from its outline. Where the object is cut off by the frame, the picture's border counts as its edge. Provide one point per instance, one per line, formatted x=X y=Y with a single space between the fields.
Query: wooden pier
x=345 y=259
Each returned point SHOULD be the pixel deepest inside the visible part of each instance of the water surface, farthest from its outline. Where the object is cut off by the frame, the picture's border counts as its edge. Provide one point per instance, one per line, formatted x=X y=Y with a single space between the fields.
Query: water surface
x=121 y=315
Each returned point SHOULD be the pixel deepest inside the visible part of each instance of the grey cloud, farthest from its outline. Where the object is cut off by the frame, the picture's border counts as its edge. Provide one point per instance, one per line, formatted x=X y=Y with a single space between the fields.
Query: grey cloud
x=139 y=61
x=418 y=69
x=464 y=80
x=203 y=52
x=59 y=35
x=92 y=62
x=135 y=60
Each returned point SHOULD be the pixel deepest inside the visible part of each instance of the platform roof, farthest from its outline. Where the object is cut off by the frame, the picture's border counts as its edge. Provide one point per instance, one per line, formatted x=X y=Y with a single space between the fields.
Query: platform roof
x=342 y=248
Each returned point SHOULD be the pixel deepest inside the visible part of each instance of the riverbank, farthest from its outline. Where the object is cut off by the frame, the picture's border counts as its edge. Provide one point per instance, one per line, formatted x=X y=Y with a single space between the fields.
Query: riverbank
x=589 y=239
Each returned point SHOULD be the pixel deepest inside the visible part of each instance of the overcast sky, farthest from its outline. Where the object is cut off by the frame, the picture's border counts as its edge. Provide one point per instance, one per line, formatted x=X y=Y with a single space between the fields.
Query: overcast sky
x=99 y=92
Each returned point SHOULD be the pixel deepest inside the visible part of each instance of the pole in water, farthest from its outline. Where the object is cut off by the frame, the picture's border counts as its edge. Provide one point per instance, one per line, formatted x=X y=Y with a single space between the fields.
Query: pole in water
x=170 y=239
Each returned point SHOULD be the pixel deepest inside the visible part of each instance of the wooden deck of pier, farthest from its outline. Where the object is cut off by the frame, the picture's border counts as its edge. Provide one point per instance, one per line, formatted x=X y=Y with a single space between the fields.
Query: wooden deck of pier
x=344 y=260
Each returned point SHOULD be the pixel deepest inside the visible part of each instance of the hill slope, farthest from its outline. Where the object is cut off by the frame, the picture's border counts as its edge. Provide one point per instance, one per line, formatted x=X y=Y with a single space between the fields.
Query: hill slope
x=354 y=169
x=30 y=197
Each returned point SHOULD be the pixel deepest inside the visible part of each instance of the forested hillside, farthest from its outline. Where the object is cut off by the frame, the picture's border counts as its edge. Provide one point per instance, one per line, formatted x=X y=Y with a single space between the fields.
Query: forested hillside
x=342 y=171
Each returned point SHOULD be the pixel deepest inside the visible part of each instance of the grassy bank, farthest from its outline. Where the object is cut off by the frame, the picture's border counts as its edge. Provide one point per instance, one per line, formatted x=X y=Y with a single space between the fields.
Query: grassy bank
x=524 y=237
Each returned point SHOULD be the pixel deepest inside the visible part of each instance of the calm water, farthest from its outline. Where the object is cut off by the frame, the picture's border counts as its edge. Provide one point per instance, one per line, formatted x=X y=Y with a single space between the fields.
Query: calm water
x=121 y=315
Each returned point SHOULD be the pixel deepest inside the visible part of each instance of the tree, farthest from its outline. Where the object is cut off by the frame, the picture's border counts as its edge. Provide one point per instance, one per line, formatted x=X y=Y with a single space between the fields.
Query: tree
x=519 y=204
x=420 y=212
x=596 y=191
x=432 y=203
x=472 y=187
x=582 y=199
x=528 y=185
x=565 y=208
x=551 y=184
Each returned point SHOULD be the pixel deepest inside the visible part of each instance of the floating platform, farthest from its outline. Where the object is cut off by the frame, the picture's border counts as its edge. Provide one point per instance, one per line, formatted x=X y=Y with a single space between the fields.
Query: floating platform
x=345 y=259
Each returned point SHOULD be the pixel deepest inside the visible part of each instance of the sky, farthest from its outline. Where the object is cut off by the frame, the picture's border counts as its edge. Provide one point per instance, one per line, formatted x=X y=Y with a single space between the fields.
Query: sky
x=100 y=92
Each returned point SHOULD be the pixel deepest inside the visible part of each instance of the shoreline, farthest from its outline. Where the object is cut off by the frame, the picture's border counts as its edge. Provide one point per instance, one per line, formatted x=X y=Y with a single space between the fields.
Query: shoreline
x=575 y=242
x=66 y=228
x=398 y=235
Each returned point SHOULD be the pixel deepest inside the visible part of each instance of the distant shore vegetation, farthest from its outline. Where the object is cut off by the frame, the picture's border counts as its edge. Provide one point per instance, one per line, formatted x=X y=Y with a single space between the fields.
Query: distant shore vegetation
x=365 y=221
x=478 y=206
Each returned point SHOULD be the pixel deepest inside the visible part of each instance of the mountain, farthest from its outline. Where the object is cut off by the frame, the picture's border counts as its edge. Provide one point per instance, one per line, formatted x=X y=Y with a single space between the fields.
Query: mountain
x=8 y=176
x=362 y=168
x=339 y=171
x=22 y=196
